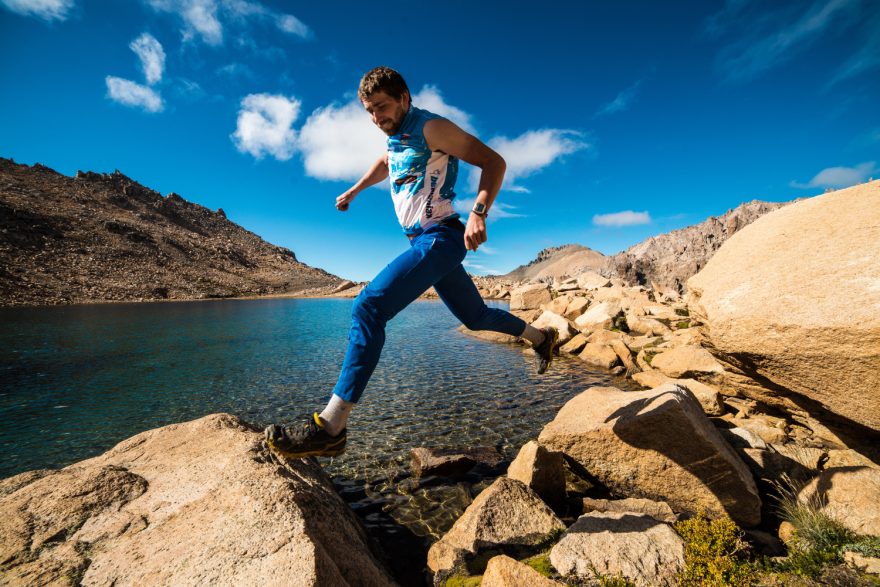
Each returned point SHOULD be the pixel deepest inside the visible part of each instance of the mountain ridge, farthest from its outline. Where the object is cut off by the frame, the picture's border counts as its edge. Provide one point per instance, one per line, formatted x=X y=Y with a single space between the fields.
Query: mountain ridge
x=105 y=237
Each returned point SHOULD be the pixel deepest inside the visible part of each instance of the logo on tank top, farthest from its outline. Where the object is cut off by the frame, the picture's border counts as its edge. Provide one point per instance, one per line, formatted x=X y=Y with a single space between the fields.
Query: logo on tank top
x=429 y=209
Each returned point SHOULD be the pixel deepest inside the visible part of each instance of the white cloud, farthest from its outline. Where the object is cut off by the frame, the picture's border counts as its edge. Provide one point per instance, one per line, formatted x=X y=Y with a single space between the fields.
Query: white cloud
x=45 y=9
x=206 y=18
x=531 y=152
x=132 y=94
x=840 y=177
x=622 y=101
x=152 y=57
x=265 y=126
x=340 y=142
x=625 y=218
x=199 y=18
x=430 y=98
x=291 y=24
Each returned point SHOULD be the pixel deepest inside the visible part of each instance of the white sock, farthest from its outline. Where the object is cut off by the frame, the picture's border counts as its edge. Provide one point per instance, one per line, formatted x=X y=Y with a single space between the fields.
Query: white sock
x=335 y=415
x=533 y=335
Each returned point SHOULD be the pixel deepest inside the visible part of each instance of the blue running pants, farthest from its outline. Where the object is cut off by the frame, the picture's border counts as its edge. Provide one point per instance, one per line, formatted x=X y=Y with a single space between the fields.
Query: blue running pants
x=434 y=258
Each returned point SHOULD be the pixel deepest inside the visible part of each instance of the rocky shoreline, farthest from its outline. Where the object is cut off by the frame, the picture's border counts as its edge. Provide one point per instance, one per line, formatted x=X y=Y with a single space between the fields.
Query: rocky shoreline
x=615 y=490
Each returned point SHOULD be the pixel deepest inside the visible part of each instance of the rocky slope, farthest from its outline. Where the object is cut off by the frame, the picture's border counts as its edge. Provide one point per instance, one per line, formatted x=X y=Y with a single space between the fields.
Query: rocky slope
x=97 y=237
x=668 y=260
x=556 y=262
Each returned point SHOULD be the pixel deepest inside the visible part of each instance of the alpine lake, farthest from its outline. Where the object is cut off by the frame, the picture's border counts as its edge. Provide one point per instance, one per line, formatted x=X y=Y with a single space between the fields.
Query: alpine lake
x=76 y=380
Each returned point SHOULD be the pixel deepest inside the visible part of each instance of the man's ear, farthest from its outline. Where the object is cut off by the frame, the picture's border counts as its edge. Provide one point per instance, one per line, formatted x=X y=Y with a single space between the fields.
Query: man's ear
x=408 y=100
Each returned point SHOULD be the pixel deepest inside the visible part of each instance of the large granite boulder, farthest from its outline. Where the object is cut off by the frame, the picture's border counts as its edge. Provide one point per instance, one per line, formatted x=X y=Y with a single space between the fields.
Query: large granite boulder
x=203 y=502
x=640 y=548
x=656 y=444
x=506 y=517
x=795 y=298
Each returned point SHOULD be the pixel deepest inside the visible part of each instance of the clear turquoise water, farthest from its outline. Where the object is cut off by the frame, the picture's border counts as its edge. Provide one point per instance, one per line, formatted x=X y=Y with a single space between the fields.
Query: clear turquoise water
x=76 y=380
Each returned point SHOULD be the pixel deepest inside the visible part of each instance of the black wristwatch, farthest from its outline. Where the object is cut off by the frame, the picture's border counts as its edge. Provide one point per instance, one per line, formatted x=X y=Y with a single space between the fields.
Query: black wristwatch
x=480 y=209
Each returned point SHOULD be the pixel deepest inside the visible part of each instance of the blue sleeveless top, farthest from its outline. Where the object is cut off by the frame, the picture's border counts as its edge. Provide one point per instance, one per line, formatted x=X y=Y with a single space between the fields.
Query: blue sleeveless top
x=422 y=181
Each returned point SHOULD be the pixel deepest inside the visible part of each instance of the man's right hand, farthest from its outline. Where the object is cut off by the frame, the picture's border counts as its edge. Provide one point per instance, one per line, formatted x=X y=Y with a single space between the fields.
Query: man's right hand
x=344 y=200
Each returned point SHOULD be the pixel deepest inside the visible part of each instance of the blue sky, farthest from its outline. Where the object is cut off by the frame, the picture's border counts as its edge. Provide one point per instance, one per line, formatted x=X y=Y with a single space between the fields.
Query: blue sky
x=618 y=120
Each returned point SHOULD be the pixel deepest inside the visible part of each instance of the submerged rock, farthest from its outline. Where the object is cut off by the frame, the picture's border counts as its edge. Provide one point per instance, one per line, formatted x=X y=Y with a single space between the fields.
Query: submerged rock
x=202 y=502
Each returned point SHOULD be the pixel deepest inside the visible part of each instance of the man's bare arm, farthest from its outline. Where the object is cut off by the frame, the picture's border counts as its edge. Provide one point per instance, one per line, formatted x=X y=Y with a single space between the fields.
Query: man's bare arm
x=444 y=135
x=377 y=172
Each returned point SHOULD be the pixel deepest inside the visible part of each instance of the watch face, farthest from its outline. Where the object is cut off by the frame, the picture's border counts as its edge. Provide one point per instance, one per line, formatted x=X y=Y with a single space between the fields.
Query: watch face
x=479 y=208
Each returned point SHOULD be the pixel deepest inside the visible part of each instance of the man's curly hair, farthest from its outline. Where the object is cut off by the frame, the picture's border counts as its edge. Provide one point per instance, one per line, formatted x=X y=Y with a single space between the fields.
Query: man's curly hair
x=382 y=79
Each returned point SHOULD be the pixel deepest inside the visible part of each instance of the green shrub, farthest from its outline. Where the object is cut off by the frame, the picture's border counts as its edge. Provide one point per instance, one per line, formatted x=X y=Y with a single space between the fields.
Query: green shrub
x=813 y=529
x=457 y=581
x=715 y=553
x=683 y=324
x=649 y=356
x=541 y=563
x=682 y=312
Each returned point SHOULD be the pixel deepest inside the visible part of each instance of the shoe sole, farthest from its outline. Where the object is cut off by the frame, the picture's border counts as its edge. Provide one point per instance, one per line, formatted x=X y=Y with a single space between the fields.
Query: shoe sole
x=325 y=452
x=552 y=351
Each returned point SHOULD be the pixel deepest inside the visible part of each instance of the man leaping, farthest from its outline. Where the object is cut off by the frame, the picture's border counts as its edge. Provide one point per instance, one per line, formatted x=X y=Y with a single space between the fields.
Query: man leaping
x=421 y=160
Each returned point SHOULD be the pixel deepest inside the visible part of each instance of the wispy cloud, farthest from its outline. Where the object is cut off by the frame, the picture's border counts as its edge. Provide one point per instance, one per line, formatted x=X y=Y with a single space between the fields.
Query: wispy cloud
x=867 y=58
x=48 y=10
x=621 y=102
x=499 y=209
x=761 y=40
x=478 y=268
x=625 y=218
x=199 y=18
x=133 y=94
x=236 y=69
x=265 y=126
x=206 y=19
x=152 y=57
x=840 y=177
x=533 y=151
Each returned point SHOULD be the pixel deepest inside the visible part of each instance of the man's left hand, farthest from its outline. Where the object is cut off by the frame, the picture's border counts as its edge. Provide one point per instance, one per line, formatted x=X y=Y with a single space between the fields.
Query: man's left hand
x=475 y=232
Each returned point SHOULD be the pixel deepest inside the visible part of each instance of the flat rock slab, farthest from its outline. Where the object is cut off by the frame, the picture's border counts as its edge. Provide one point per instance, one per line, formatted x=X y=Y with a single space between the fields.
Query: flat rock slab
x=644 y=550
x=655 y=444
x=505 y=517
x=203 y=502
x=656 y=509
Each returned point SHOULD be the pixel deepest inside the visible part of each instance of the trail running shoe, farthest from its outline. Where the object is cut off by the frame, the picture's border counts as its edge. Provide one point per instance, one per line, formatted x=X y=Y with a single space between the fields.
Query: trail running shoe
x=544 y=351
x=311 y=440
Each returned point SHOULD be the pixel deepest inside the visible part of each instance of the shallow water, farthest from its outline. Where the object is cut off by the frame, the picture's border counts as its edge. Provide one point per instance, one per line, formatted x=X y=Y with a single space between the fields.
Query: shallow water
x=74 y=381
